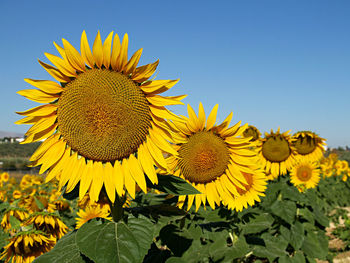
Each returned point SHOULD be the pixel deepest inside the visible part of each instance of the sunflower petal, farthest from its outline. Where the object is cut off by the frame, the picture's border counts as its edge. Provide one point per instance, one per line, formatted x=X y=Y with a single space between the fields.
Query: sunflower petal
x=132 y=64
x=54 y=72
x=73 y=56
x=38 y=95
x=97 y=50
x=42 y=110
x=123 y=57
x=107 y=50
x=115 y=52
x=212 y=117
x=86 y=51
x=46 y=86
x=158 y=86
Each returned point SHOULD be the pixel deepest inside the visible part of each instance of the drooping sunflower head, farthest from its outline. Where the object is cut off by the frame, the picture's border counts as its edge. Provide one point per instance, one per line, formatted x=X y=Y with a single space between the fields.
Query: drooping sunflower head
x=90 y=212
x=309 y=145
x=48 y=223
x=20 y=213
x=215 y=159
x=26 y=246
x=253 y=132
x=104 y=121
x=305 y=175
x=16 y=194
x=277 y=153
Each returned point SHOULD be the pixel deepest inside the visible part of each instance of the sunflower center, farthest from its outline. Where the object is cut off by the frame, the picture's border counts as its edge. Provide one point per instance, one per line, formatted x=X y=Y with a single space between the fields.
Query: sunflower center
x=103 y=115
x=304 y=173
x=204 y=157
x=276 y=149
x=251 y=132
x=305 y=145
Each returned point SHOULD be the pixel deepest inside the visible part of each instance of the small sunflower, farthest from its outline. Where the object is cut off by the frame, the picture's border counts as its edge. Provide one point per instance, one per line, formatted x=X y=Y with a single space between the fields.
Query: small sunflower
x=253 y=132
x=305 y=175
x=4 y=177
x=277 y=153
x=24 y=247
x=16 y=194
x=216 y=160
x=309 y=145
x=48 y=223
x=103 y=122
x=19 y=213
x=90 y=212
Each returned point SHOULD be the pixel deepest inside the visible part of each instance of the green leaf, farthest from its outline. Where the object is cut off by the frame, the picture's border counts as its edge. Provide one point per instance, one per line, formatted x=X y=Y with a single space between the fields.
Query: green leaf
x=175 y=260
x=175 y=240
x=173 y=185
x=315 y=245
x=66 y=250
x=4 y=206
x=143 y=230
x=297 y=235
x=274 y=247
x=39 y=204
x=320 y=217
x=3 y=238
x=15 y=223
x=238 y=249
x=110 y=242
x=297 y=258
x=307 y=215
x=258 y=224
x=284 y=209
x=293 y=194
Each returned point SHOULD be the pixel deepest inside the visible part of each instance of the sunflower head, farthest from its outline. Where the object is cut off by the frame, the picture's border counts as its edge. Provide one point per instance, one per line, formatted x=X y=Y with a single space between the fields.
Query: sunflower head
x=48 y=223
x=4 y=177
x=26 y=246
x=252 y=132
x=90 y=212
x=103 y=121
x=20 y=213
x=16 y=194
x=305 y=175
x=216 y=159
x=309 y=145
x=277 y=153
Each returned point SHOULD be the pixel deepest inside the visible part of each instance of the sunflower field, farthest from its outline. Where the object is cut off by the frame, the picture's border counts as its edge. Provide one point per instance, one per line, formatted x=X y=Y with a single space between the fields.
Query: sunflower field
x=121 y=178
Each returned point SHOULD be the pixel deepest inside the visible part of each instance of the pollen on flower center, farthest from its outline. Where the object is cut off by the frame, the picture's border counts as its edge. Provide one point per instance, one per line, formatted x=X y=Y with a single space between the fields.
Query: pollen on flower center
x=103 y=115
x=204 y=157
x=276 y=149
x=304 y=173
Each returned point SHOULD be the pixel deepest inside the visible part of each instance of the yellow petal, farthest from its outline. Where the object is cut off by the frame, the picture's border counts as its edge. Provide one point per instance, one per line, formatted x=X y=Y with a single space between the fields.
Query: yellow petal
x=201 y=116
x=38 y=95
x=67 y=170
x=157 y=86
x=212 y=117
x=54 y=72
x=86 y=179
x=73 y=56
x=97 y=181
x=76 y=174
x=156 y=155
x=47 y=86
x=42 y=110
x=162 y=112
x=132 y=64
x=34 y=137
x=190 y=199
x=109 y=181
x=164 y=101
x=44 y=147
x=86 y=51
x=97 y=50
x=107 y=50
x=29 y=120
x=123 y=57
x=146 y=162
x=57 y=168
x=62 y=65
x=52 y=155
x=115 y=52
x=142 y=73
x=128 y=180
x=137 y=173
x=161 y=142
x=118 y=177
x=41 y=125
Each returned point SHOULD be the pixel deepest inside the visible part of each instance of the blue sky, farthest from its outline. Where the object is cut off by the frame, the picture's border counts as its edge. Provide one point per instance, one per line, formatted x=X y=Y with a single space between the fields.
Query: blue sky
x=273 y=63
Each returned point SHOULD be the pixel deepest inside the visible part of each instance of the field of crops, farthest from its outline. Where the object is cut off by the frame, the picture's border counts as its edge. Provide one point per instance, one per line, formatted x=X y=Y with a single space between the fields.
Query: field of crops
x=288 y=225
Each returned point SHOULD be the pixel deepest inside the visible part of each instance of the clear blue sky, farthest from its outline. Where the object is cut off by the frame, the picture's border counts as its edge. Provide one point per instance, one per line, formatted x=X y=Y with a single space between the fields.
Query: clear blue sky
x=273 y=63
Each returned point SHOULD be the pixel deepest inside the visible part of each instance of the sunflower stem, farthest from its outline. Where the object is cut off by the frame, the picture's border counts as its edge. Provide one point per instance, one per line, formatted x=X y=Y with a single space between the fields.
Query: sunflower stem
x=117 y=210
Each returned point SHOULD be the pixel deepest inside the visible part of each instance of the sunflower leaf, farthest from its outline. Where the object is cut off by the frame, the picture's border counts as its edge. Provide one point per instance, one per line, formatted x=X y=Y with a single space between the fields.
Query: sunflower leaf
x=173 y=185
x=111 y=242
x=65 y=250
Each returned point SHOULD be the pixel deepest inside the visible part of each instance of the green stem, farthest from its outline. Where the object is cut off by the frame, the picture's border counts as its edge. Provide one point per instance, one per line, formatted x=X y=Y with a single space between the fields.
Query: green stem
x=117 y=210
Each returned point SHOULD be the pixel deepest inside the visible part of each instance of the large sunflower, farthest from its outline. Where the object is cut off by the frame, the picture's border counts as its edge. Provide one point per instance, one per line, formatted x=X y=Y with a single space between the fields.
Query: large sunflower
x=216 y=160
x=309 y=146
x=277 y=153
x=103 y=121
x=305 y=175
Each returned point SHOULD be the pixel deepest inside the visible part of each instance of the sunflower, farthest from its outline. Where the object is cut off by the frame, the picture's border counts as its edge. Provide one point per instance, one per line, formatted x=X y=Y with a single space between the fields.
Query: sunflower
x=216 y=160
x=24 y=247
x=19 y=213
x=252 y=132
x=4 y=177
x=90 y=212
x=16 y=194
x=305 y=175
x=276 y=153
x=48 y=223
x=103 y=122
x=309 y=145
